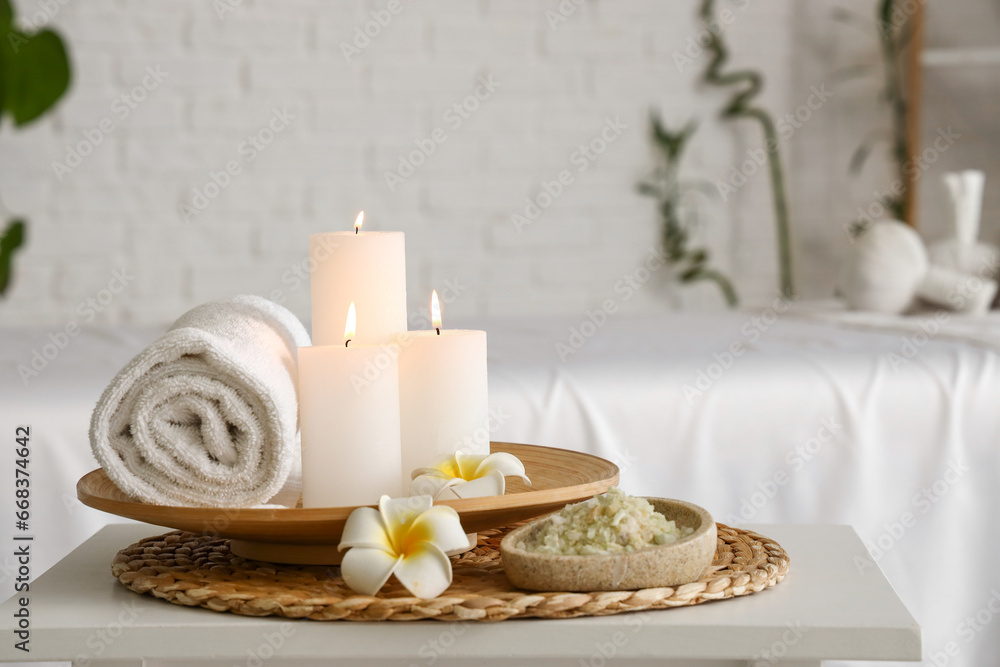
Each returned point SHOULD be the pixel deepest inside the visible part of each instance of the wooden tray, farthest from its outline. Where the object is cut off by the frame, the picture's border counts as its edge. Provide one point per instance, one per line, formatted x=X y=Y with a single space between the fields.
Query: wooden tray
x=310 y=536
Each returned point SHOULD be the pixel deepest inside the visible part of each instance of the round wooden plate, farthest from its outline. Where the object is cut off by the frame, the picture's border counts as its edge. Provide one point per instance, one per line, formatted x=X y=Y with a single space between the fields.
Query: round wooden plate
x=310 y=536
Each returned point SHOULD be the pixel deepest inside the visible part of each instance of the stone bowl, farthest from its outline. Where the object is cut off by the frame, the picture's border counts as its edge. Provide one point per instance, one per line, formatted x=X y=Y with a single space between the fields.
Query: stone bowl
x=667 y=565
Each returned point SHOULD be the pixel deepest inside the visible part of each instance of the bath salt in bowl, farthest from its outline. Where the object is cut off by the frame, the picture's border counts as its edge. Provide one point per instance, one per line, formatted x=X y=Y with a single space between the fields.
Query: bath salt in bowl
x=613 y=522
x=612 y=542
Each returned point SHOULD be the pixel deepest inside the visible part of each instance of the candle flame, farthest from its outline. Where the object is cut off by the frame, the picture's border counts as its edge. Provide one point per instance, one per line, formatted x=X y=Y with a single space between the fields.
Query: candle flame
x=352 y=325
x=359 y=221
x=435 y=311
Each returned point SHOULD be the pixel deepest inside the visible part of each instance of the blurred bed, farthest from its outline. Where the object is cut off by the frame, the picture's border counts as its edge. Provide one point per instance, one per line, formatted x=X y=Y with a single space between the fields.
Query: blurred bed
x=891 y=425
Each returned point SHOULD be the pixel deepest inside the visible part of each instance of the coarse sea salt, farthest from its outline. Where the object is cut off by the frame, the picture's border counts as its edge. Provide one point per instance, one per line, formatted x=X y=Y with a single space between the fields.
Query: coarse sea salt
x=614 y=522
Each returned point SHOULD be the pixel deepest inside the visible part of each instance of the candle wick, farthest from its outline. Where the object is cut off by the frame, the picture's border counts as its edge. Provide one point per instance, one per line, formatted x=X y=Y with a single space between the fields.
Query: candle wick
x=346 y=342
x=356 y=230
x=438 y=329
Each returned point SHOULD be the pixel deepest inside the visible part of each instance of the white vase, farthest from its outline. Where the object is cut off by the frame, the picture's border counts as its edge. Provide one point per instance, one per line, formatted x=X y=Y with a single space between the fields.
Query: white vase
x=963 y=251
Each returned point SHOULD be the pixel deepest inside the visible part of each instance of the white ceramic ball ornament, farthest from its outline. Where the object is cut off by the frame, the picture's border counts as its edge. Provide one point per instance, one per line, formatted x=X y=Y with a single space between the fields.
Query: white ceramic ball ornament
x=884 y=266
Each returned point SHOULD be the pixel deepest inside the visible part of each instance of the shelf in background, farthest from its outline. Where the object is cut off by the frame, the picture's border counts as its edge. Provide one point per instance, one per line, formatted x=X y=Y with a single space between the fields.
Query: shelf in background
x=958 y=57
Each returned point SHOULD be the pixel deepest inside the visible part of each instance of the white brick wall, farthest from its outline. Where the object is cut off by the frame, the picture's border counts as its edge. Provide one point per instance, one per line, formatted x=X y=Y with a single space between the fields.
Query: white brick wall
x=610 y=58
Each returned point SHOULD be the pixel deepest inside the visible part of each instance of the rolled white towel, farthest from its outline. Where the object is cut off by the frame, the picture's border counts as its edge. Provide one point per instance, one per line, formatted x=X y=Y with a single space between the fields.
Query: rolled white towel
x=208 y=414
x=957 y=291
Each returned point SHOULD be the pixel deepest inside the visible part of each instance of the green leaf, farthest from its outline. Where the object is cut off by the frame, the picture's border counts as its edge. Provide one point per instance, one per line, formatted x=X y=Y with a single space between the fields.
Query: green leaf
x=863 y=152
x=678 y=205
x=724 y=285
x=859 y=157
x=691 y=274
x=671 y=143
x=885 y=12
x=857 y=228
x=37 y=73
x=6 y=15
x=648 y=189
x=660 y=133
x=686 y=132
x=679 y=140
x=12 y=239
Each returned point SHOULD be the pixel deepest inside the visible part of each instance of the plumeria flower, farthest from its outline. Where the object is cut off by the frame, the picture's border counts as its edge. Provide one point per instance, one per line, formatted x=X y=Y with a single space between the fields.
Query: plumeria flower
x=462 y=475
x=407 y=537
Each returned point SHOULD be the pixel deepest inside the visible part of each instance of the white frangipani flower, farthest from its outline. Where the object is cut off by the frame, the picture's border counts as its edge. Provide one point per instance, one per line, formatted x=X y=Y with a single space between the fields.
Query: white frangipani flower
x=462 y=475
x=407 y=537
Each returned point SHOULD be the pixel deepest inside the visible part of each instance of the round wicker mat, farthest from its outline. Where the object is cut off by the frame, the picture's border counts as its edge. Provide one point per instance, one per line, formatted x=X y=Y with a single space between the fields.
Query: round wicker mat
x=198 y=570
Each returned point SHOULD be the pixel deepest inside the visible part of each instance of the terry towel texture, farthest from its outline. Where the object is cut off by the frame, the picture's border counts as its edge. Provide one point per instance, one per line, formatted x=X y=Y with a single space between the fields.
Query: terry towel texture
x=208 y=414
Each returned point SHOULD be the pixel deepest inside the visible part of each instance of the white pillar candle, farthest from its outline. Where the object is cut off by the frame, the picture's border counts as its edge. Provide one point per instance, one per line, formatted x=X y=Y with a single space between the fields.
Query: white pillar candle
x=349 y=418
x=443 y=395
x=367 y=268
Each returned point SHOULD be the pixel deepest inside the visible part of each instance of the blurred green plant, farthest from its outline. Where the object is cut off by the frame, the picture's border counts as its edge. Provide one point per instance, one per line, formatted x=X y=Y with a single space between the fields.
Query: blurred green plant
x=10 y=240
x=34 y=74
x=678 y=214
x=741 y=105
x=893 y=36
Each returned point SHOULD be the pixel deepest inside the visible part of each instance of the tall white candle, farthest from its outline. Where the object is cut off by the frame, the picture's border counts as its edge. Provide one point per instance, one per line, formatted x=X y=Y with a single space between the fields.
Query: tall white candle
x=443 y=395
x=349 y=418
x=367 y=268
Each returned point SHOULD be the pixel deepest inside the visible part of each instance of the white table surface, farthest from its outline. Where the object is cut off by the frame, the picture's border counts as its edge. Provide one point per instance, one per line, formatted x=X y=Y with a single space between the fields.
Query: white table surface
x=824 y=609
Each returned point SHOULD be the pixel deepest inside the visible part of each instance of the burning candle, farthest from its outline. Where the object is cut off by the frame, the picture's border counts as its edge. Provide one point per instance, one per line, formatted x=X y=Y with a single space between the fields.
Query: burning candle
x=349 y=419
x=443 y=395
x=368 y=268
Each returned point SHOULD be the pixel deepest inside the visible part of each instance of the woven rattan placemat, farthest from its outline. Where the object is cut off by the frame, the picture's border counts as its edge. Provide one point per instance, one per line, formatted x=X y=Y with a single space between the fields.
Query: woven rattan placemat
x=200 y=571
